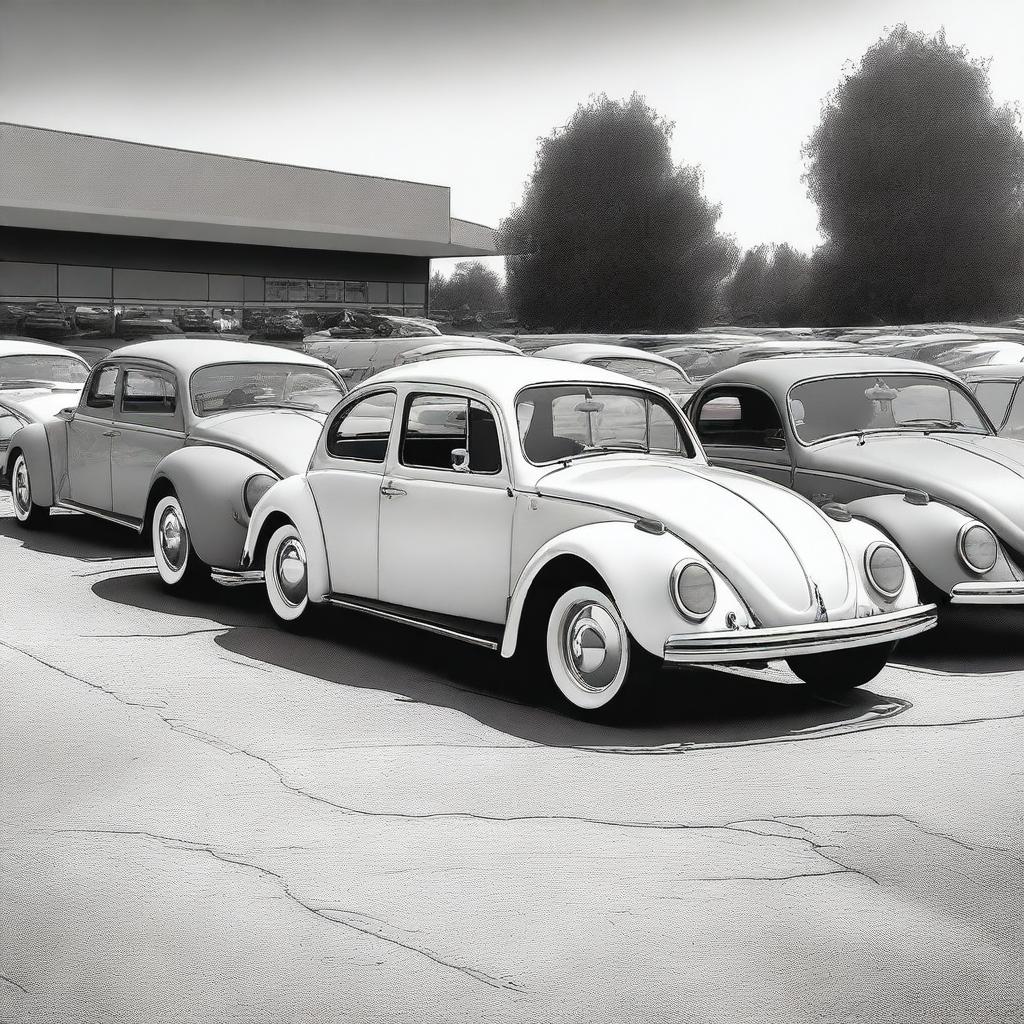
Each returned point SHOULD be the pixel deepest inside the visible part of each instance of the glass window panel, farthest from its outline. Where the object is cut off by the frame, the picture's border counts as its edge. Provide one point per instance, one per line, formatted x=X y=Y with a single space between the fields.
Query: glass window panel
x=415 y=292
x=101 y=391
x=395 y=292
x=484 y=446
x=35 y=279
x=160 y=284
x=355 y=291
x=253 y=290
x=435 y=425
x=362 y=430
x=377 y=291
x=227 y=288
x=148 y=393
x=86 y=282
x=334 y=291
x=994 y=396
x=316 y=291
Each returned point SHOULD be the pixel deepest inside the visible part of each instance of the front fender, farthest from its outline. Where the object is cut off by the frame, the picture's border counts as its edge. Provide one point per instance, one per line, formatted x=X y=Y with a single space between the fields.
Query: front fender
x=208 y=482
x=291 y=500
x=927 y=535
x=32 y=441
x=637 y=567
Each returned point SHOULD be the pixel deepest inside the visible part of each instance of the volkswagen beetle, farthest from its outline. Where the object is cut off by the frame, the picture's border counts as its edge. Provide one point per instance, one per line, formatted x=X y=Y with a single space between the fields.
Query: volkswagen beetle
x=904 y=445
x=566 y=513
x=178 y=439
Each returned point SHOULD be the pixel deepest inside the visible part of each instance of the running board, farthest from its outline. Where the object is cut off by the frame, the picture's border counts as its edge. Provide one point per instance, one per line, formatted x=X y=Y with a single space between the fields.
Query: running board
x=470 y=631
x=129 y=521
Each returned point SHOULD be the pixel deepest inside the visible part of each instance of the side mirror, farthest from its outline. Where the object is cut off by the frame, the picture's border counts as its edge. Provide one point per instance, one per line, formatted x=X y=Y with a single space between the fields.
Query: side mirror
x=460 y=460
x=67 y=414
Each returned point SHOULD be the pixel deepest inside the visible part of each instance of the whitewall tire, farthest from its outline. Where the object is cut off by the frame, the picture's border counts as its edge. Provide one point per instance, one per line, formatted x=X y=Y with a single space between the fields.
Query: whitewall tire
x=588 y=649
x=180 y=568
x=26 y=511
x=285 y=573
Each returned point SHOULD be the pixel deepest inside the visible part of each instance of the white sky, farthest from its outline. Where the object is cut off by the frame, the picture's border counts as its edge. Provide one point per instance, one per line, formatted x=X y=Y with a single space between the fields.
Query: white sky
x=458 y=91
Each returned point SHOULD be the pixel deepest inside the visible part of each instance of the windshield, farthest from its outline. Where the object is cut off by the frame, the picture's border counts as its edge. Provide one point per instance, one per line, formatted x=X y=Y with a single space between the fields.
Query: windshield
x=647 y=370
x=872 y=402
x=263 y=386
x=566 y=420
x=41 y=369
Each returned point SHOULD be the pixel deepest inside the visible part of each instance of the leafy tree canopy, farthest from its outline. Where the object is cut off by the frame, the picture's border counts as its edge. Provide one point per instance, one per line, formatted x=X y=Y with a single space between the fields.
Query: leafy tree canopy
x=610 y=234
x=919 y=179
x=472 y=288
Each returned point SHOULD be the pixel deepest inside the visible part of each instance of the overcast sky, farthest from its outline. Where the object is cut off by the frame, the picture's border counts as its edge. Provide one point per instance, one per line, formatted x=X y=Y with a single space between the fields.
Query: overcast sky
x=458 y=91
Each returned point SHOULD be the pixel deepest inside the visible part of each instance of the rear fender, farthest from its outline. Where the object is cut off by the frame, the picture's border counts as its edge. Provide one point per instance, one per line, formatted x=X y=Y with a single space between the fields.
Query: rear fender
x=32 y=441
x=290 y=501
x=208 y=482
x=927 y=535
x=637 y=568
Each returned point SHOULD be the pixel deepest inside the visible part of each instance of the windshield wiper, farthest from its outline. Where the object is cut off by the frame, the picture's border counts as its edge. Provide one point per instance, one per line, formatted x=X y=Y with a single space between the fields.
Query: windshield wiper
x=274 y=405
x=622 y=446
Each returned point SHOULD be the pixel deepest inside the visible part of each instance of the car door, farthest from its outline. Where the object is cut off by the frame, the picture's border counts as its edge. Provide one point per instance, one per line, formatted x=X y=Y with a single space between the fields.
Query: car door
x=148 y=425
x=446 y=510
x=740 y=428
x=90 y=432
x=346 y=477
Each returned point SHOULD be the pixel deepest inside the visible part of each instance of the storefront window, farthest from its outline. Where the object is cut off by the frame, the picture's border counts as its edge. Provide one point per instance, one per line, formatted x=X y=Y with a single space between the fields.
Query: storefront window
x=316 y=291
x=355 y=291
x=377 y=292
x=395 y=296
x=415 y=293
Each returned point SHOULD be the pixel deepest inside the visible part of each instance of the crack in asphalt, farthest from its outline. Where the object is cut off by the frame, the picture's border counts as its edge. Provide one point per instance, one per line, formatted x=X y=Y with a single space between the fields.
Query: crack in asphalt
x=151 y=636
x=771 y=878
x=329 y=914
x=14 y=984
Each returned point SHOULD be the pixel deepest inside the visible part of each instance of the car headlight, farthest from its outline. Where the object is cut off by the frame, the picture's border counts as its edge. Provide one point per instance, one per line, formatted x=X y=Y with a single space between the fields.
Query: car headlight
x=884 y=567
x=255 y=487
x=693 y=590
x=977 y=546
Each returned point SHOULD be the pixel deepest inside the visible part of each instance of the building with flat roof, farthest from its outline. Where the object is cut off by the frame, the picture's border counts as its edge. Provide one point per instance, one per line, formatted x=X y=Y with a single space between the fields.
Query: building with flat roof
x=93 y=227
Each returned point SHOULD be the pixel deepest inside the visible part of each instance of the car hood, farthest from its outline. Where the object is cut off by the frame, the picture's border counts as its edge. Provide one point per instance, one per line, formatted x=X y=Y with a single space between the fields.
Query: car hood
x=38 y=404
x=282 y=439
x=981 y=474
x=772 y=545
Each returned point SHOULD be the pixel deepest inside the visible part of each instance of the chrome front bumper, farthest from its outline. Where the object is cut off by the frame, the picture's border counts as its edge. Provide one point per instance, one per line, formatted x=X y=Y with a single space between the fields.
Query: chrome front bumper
x=791 y=641
x=984 y=592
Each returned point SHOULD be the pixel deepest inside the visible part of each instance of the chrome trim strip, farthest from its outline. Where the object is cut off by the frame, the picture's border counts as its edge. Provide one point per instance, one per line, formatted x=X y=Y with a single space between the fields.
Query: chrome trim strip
x=145 y=428
x=985 y=592
x=110 y=517
x=236 y=577
x=790 y=641
x=430 y=627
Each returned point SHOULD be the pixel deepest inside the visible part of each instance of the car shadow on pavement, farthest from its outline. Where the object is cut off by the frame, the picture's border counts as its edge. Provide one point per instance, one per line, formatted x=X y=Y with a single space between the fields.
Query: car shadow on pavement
x=73 y=535
x=686 y=707
x=969 y=641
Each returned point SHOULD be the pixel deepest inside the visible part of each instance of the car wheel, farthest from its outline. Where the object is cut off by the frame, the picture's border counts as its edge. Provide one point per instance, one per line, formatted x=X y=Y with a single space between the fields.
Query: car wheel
x=26 y=511
x=590 y=654
x=838 y=672
x=286 y=577
x=180 y=568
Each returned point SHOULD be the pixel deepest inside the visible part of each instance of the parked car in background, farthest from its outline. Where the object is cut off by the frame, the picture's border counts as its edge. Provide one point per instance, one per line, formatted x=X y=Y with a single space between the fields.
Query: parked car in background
x=196 y=318
x=355 y=359
x=899 y=444
x=48 y=321
x=359 y=323
x=131 y=328
x=177 y=439
x=649 y=367
x=567 y=515
x=998 y=391
x=980 y=353
x=445 y=348
x=94 y=318
x=36 y=382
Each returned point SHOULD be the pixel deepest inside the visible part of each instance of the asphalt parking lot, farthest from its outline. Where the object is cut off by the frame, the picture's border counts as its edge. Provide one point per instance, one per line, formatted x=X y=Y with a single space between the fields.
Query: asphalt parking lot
x=203 y=818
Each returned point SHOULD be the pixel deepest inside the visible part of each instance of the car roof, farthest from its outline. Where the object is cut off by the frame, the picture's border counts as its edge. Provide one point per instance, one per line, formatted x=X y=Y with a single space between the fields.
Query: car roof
x=21 y=347
x=994 y=371
x=189 y=354
x=774 y=374
x=580 y=352
x=497 y=375
x=450 y=344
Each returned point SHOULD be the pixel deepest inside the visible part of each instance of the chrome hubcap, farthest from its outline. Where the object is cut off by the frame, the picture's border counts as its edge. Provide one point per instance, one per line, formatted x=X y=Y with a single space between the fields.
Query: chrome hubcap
x=592 y=645
x=291 y=571
x=22 y=491
x=173 y=540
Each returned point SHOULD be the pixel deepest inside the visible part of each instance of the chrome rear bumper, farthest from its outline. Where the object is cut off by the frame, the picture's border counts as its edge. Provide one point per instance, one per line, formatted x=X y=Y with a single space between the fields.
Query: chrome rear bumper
x=984 y=592
x=236 y=577
x=791 y=641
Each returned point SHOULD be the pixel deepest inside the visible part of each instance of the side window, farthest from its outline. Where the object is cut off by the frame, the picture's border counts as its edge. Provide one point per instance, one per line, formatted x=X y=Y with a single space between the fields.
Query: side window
x=994 y=396
x=361 y=431
x=1014 y=426
x=100 y=394
x=146 y=393
x=742 y=418
x=435 y=426
x=484 y=445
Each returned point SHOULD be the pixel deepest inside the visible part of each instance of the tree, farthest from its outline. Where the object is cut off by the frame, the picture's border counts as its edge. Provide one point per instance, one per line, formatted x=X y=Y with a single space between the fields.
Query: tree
x=472 y=288
x=611 y=234
x=919 y=179
x=769 y=287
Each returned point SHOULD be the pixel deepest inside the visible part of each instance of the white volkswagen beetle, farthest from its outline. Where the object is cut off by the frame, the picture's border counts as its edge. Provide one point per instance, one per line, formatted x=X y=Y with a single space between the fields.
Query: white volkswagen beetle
x=569 y=514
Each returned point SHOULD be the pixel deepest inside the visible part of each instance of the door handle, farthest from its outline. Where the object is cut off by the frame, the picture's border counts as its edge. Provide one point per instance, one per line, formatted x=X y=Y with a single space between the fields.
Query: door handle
x=111 y=433
x=392 y=492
